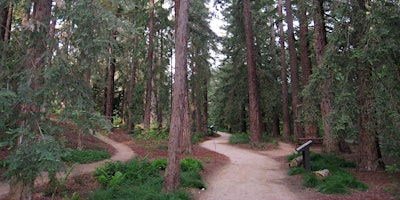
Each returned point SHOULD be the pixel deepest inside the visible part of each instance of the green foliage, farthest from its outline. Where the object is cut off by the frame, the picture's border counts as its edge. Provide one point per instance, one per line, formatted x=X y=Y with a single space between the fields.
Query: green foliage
x=340 y=181
x=140 y=179
x=43 y=155
x=190 y=164
x=86 y=156
x=197 y=137
x=239 y=138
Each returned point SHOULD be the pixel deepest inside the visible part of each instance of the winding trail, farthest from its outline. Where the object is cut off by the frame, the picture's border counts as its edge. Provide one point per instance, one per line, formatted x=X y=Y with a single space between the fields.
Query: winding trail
x=251 y=174
x=123 y=153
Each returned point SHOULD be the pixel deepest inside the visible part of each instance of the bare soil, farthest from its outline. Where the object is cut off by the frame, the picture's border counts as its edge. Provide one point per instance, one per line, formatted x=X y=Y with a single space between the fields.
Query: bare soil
x=381 y=184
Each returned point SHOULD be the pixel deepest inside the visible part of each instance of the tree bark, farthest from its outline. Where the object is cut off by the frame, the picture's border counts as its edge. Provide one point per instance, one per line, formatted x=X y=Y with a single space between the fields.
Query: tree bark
x=254 y=111
x=35 y=62
x=311 y=124
x=285 y=95
x=132 y=83
x=149 y=89
x=368 y=144
x=330 y=144
x=110 y=86
x=294 y=72
x=172 y=172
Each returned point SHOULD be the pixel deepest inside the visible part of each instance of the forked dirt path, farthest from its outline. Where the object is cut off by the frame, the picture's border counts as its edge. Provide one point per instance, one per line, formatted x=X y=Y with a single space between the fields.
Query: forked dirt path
x=250 y=175
x=123 y=153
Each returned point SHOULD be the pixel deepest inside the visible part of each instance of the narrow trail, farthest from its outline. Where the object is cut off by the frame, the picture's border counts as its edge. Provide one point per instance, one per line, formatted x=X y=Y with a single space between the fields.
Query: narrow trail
x=123 y=153
x=250 y=174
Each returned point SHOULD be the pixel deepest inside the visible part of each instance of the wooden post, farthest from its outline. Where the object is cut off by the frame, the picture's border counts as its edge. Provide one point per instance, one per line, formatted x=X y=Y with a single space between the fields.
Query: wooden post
x=305 y=150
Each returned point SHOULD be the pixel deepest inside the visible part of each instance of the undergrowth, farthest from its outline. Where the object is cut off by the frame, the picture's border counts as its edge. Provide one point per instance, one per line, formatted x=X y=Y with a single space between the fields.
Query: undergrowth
x=141 y=179
x=86 y=156
x=340 y=180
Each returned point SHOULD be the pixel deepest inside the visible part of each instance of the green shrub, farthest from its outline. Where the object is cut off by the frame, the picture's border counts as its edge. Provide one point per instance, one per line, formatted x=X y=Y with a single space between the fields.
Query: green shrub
x=140 y=179
x=239 y=138
x=338 y=182
x=197 y=137
x=86 y=156
x=190 y=164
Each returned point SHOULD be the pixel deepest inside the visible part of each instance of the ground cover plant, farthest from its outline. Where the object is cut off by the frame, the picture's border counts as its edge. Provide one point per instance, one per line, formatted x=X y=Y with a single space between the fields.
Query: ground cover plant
x=340 y=180
x=86 y=156
x=142 y=179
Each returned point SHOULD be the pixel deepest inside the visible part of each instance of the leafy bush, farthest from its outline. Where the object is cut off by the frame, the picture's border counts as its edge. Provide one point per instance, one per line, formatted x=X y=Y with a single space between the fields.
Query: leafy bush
x=190 y=164
x=140 y=179
x=239 y=138
x=86 y=156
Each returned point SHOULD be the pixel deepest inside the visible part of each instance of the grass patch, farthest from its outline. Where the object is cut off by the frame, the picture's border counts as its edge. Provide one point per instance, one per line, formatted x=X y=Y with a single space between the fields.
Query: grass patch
x=140 y=179
x=340 y=181
x=86 y=156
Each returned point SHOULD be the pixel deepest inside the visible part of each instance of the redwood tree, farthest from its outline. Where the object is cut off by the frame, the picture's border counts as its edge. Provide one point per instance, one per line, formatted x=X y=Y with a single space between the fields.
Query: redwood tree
x=149 y=81
x=179 y=98
x=330 y=144
x=294 y=72
x=254 y=111
x=285 y=95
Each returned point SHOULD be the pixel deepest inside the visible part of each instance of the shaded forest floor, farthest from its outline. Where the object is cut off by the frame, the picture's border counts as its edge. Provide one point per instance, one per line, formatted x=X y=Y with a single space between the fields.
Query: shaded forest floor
x=381 y=184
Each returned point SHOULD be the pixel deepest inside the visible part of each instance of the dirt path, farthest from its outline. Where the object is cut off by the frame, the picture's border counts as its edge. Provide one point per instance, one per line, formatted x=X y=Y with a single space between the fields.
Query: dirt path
x=250 y=175
x=123 y=153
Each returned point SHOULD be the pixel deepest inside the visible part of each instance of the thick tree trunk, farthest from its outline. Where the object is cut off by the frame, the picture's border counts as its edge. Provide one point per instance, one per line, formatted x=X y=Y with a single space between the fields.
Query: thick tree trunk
x=178 y=118
x=311 y=124
x=285 y=95
x=147 y=111
x=35 y=62
x=254 y=111
x=368 y=146
x=330 y=143
x=294 y=78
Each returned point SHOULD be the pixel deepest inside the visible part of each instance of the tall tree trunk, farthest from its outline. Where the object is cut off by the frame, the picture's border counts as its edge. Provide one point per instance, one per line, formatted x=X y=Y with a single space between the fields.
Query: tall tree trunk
x=294 y=72
x=285 y=95
x=368 y=143
x=149 y=89
x=254 y=111
x=110 y=86
x=132 y=83
x=172 y=172
x=311 y=124
x=330 y=144
x=35 y=62
x=205 y=104
x=274 y=61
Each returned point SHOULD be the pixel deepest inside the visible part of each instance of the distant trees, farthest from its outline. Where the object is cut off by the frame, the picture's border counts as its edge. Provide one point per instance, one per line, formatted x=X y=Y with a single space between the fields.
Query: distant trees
x=344 y=71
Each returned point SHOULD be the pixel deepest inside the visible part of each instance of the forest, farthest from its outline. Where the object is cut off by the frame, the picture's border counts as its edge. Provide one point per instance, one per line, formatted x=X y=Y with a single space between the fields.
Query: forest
x=286 y=69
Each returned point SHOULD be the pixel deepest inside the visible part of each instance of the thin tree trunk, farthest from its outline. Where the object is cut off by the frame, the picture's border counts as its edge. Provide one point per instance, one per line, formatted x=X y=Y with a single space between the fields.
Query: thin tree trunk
x=294 y=78
x=110 y=87
x=330 y=144
x=132 y=83
x=285 y=95
x=178 y=118
x=147 y=111
x=254 y=111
